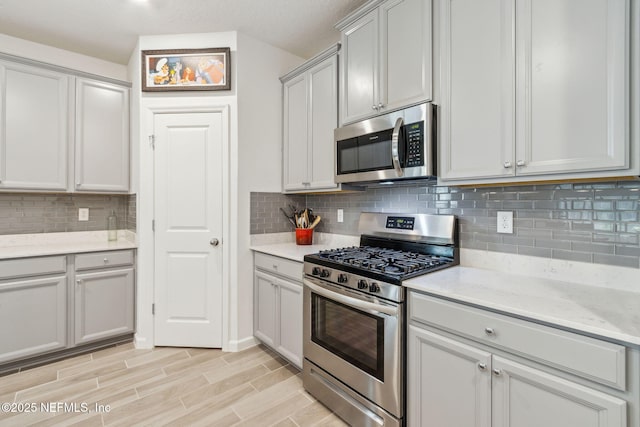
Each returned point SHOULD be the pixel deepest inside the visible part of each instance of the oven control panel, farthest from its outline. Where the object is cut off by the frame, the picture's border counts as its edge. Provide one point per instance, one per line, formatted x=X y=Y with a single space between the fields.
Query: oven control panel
x=373 y=287
x=400 y=222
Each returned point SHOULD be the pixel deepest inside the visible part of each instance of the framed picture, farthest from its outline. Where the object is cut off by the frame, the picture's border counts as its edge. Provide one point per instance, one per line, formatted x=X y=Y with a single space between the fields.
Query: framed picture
x=186 y=69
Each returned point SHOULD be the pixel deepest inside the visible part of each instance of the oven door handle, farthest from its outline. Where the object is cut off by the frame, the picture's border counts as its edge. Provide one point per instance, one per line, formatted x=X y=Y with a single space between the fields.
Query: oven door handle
x=351 y=301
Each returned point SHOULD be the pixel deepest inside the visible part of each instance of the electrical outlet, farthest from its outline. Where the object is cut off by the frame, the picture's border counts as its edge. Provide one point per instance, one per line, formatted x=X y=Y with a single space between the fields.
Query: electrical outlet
x=340 y=215
x=505 y=222
x=83 y=214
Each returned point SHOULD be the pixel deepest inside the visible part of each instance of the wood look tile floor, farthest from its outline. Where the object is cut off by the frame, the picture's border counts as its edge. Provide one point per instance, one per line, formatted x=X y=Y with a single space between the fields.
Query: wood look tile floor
x=163 y=387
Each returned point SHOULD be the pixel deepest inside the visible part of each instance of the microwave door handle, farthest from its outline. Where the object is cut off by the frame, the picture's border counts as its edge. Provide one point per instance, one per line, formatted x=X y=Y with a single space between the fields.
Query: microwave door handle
x=395 y=154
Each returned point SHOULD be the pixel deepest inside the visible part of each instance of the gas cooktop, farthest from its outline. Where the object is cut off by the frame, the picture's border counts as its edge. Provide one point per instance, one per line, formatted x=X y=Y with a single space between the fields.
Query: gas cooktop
x=393 y=262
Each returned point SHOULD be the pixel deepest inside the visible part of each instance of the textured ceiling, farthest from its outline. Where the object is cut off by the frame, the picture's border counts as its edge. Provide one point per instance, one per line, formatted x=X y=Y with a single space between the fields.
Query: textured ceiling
x=108 y=29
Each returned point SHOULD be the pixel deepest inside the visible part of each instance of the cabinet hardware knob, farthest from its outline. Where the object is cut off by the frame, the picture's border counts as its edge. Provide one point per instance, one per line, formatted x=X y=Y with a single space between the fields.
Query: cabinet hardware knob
x=520 y=163
x=106 y=260
x=497 y=372
x=79 y=282
x=482 y=366
x=380 y=106
x=78 y=184
x=507 y=165
x=489 y=331
x=214 y=242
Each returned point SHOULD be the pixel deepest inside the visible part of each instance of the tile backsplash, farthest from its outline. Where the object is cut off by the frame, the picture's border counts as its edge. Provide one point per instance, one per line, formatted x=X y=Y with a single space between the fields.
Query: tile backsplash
x=25 y=213
x=589 y=222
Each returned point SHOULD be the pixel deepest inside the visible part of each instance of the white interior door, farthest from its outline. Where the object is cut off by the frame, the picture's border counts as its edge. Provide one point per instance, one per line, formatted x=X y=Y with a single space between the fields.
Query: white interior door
x=188 y=229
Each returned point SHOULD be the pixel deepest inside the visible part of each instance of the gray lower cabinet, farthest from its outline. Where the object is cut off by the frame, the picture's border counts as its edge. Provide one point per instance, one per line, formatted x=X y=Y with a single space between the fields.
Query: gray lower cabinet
x=33 y=309
x=104 y=295
x=470 y=367
x=278 y=305
x=50 y=305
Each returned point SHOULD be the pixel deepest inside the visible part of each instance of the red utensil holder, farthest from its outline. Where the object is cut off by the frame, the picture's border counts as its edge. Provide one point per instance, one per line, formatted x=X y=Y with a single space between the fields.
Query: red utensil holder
x=304 y=236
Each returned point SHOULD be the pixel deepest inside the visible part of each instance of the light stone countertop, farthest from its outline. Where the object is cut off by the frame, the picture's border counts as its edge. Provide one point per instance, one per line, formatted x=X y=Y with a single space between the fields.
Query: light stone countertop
x=284 y=246
x=606 y=310
x=43 y=244
x=591 y=299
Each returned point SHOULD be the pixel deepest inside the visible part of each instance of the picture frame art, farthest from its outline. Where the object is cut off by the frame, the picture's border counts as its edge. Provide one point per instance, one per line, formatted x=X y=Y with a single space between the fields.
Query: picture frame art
x=186 y=69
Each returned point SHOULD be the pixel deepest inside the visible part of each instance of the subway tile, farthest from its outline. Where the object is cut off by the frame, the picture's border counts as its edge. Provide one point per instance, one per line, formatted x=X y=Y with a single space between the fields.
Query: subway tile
x=633 y=251
x=572 y=236
x=534 y=233
x=517 y=240
x=552 y=224
x=601 y=248
x=500 y=247
x=539 y=252
x=621 y=261
x=572 y=256
x=552 y=244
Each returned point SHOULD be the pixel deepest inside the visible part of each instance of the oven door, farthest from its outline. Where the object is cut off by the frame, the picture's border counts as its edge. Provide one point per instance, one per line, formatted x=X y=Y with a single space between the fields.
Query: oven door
x=357 y=339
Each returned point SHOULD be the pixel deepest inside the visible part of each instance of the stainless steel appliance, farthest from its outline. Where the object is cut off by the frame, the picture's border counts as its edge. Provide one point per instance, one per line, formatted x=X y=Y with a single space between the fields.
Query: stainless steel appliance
x=398 y=145
x=354 y=313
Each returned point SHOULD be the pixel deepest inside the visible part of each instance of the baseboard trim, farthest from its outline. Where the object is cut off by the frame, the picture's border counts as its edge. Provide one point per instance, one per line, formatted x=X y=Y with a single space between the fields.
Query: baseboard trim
x=243 y=344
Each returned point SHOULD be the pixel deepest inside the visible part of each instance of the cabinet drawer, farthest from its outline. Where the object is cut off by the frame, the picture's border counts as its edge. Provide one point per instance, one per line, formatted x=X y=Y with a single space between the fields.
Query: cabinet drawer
x=103 y=259
x=590 y=358
x=277 y=265
x=32 y=266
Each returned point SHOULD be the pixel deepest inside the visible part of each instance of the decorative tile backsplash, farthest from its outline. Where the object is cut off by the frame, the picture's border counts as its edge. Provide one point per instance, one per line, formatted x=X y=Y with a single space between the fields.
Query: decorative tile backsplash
x=25 y=213
x=594 y=222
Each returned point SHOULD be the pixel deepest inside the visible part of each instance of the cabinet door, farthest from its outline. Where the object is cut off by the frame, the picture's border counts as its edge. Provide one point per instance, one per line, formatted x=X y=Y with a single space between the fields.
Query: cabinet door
x=34 y=117
x=523 y=396
x=33 y=315
x=104 y=304
x=323 y=119
x=290 y=321
x=477 y=100
x=264 y=316
x=405 y=66
x=102 y=137
x=450 y=382
x=572 y=85
x=359 y=64
x=296 y=154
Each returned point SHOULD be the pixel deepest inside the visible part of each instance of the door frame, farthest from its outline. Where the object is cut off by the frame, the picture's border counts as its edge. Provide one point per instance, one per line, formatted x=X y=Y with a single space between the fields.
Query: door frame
x=145 y=293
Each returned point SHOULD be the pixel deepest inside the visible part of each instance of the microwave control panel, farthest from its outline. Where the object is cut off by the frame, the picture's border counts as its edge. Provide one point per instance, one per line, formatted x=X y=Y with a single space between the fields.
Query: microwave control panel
x=415 y=144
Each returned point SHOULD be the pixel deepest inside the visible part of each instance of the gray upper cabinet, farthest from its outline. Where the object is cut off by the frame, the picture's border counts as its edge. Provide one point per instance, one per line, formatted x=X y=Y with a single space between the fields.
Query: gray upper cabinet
x=535 y=90
x=310 y=115
x=386 y=55
x=34 y=127
x=101 y=137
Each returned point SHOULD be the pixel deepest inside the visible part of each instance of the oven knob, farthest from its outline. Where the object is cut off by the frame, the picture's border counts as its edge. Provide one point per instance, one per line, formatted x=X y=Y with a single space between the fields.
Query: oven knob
x=374 y=287
x=315 y=271
x=343 y=278
x=325 y=273
x=362 y=284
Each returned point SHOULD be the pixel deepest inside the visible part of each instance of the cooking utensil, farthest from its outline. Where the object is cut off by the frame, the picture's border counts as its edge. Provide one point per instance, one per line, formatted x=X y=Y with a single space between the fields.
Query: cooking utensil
x=289 y=217
x=315 y=222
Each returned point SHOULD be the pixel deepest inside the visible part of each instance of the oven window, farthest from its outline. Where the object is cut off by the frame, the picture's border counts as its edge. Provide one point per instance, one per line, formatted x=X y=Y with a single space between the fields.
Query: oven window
x=351 y=334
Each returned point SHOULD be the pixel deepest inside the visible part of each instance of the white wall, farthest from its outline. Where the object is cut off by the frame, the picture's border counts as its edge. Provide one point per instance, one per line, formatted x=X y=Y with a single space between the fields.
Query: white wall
x=260 y=154
x=255 y=103
x=144 y=103
x=62 y=58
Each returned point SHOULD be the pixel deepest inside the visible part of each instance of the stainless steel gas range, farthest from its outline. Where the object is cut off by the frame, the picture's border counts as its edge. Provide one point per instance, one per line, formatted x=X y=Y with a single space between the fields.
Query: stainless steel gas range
x=354 y=313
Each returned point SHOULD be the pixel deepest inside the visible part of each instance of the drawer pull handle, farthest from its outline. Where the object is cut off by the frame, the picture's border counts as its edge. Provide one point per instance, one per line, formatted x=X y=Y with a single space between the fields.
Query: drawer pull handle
x=106 y=260
x=79 y=282
x=489 y=331
x=482 y=366
x=497 y=372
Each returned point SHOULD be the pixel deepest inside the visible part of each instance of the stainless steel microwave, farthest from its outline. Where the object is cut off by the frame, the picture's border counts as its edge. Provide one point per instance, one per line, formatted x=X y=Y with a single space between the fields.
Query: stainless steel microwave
x=398 y=145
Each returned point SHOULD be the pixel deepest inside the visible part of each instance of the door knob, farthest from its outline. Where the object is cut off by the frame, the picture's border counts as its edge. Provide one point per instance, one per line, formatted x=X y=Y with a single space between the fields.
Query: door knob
x=214 y=242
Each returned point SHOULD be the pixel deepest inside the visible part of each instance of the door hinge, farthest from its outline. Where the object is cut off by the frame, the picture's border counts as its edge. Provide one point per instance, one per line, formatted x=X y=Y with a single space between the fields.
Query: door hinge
x=153 y=225
x=153 y=309
x=152 y=141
